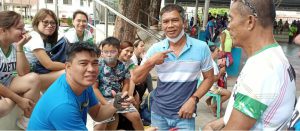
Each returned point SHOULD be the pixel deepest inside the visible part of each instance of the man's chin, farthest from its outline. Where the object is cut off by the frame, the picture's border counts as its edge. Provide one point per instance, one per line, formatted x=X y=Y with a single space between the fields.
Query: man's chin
x=172 y=36
x=89 y=82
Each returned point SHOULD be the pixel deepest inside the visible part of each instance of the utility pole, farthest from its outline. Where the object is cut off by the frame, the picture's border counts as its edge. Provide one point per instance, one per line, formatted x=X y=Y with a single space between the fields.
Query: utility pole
x=2 y=5
x=37 y=5
x=206 y=9
x=196 y=14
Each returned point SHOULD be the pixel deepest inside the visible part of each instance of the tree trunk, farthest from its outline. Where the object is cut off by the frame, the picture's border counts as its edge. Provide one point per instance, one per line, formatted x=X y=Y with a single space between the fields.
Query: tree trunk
x=154 y=11
x=123 y=30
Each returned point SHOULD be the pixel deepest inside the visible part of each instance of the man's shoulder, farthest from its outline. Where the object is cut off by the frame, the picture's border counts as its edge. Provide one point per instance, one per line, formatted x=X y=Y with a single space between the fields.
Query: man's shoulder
x=197 y=43
x=158 y=47
x=59 y=88
x=160 y=44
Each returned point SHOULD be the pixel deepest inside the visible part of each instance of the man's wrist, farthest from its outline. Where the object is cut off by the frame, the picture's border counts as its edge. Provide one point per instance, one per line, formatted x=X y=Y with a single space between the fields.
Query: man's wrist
x=195 y=98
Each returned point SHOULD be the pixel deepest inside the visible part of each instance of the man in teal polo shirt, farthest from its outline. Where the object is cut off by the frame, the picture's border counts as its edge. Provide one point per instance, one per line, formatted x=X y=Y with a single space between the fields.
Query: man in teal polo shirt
x=178 y=60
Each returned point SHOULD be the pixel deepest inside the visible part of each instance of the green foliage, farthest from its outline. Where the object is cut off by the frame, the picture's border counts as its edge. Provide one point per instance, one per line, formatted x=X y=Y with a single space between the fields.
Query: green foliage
x=69 y=21
x=27 y=21
x=218 y=11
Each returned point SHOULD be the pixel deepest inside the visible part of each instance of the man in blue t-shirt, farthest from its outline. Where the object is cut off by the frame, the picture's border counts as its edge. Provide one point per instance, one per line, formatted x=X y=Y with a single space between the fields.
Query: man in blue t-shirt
x=178 y=60
x=65 y=104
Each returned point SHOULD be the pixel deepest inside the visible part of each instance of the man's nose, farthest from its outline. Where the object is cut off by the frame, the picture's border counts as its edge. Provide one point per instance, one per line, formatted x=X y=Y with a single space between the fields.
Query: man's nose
x=91 y=67
x=170 y=24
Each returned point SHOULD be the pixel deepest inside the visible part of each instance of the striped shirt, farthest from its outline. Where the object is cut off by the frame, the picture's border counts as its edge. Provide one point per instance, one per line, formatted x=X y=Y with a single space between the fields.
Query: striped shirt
x=178 y=76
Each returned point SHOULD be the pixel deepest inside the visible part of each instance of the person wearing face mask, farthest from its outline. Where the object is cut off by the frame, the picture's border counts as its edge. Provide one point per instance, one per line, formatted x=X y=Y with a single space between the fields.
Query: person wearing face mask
x=79 y=32
x=113 y=78
x=178 y=61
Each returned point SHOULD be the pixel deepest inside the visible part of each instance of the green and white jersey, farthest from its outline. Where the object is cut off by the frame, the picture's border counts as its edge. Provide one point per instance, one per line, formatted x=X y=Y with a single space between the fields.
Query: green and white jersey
x=72 y=36
x=129 y=65
x=8 y=64
x=265 y=89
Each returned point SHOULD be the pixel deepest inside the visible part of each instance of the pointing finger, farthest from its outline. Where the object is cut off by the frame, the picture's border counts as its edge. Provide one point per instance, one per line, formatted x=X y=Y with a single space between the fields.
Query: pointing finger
x=167 y=51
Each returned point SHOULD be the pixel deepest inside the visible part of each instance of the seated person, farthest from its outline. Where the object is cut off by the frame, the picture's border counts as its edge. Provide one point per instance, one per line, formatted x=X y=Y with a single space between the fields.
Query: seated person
x=126 y=53
x=225 y=94
x=65 y=105
x=79 y=32
x=44 y=37
x=17 y=85
x=138 y=54
x=113 y=78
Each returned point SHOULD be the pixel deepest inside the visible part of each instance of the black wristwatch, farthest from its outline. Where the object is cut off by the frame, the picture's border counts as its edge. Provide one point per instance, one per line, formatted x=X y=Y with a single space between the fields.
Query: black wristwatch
x=196 y=98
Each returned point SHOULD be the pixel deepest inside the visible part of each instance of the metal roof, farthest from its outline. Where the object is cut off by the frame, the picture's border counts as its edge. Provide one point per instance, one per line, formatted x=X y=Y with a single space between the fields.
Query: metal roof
x=284 y=5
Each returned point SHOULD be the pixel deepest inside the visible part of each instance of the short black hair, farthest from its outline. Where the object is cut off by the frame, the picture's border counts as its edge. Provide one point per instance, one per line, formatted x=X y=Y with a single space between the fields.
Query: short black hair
x=173 y=7
x=113 y=41
x=80 y=12
x=77 y=47
x=265 y=10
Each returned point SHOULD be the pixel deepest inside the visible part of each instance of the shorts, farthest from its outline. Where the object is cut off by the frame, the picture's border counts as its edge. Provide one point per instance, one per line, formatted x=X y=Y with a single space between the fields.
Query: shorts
x=131 y=108
x=8 y=81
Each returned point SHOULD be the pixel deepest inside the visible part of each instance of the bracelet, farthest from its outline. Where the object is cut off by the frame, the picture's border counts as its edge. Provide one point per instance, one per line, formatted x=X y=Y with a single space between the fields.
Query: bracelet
x=20 y=51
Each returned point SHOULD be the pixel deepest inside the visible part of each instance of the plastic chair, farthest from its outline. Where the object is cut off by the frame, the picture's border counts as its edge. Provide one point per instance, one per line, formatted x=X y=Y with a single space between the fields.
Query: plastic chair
x=216 y=98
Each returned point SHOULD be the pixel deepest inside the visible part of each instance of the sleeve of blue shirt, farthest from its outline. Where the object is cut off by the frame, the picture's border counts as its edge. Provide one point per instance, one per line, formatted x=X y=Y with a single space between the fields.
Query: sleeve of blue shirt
x=206 y=63
x=92 y=98
x=67 y=117
x=151 y=51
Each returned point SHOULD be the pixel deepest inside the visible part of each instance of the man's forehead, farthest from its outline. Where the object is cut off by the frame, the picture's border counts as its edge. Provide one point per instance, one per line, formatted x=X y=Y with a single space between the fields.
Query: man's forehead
x=167 y=15
x=233 y=10
x=85 y=55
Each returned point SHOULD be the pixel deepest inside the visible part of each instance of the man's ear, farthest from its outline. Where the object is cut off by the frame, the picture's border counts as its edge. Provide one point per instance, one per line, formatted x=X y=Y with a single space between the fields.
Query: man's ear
x=251 y=22
x=2 y=30
x=184 y=23
x=68 y=65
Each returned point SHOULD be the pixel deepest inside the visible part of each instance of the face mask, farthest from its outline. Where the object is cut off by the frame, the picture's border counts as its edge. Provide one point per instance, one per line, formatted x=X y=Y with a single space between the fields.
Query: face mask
x=174 y=40
x=110 y=60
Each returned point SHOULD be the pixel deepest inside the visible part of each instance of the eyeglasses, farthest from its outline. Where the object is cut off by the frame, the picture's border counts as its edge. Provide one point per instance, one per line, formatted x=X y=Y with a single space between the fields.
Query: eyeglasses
x=247 y=3
x=112 y=52
x=46 y=23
